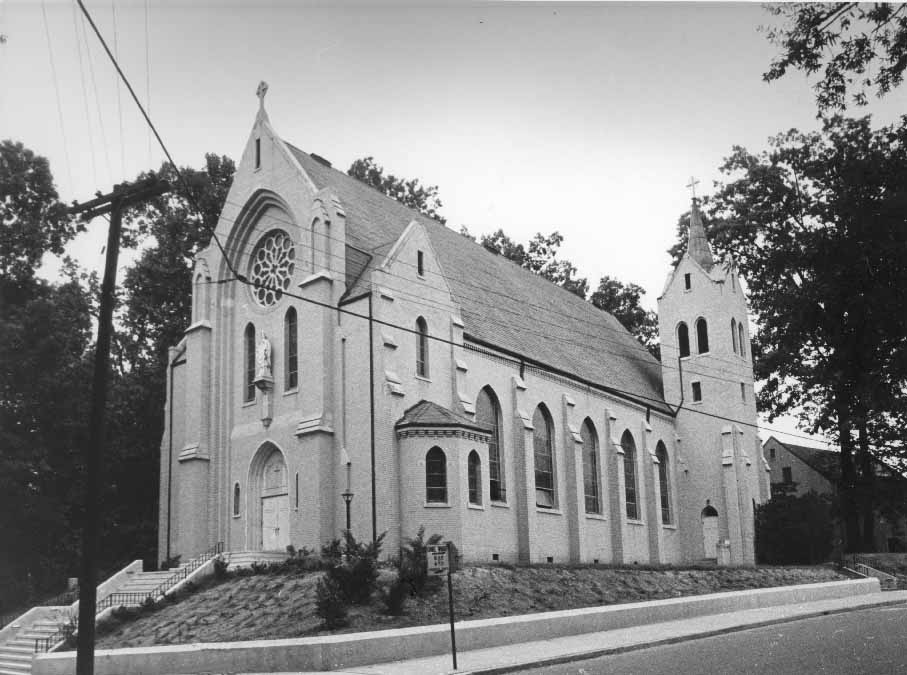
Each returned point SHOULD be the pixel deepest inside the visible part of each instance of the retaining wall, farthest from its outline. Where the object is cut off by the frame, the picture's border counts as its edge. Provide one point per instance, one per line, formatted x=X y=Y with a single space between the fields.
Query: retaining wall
x=355 y=649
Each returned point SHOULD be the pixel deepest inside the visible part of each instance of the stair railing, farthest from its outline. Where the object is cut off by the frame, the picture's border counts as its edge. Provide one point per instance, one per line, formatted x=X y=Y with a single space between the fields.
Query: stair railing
x=45 y=644
x=185 y=570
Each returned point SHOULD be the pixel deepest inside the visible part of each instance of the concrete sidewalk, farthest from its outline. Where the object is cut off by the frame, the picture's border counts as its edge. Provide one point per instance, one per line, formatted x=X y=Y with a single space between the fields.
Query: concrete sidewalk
x=572 y=648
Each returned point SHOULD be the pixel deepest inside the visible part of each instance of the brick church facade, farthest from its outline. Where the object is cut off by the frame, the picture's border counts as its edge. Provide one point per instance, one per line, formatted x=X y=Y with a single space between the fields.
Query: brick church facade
x=379 y=358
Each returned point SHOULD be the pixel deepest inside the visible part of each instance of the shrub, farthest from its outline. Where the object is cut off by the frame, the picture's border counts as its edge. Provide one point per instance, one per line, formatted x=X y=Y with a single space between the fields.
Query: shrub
x=792 y=530
x=393 y=596
x=353 y=566
x=220 y=568
x=414 y=562
x=330 y=603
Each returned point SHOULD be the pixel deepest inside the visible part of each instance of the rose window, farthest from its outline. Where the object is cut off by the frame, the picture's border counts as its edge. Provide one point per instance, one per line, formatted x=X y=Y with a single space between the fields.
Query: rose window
x=272 y=267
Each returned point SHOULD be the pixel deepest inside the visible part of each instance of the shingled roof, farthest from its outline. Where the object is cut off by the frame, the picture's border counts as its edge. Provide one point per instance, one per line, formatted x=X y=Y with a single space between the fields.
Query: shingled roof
x=828 y=461
x=430 y=414
x=501 y=304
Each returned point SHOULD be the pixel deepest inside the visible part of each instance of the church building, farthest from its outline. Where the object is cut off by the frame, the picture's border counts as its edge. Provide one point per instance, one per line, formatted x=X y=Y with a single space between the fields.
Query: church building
x=353 y=363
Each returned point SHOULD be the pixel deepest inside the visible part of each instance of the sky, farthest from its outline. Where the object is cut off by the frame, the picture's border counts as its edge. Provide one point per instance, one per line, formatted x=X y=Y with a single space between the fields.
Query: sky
x=585 y=118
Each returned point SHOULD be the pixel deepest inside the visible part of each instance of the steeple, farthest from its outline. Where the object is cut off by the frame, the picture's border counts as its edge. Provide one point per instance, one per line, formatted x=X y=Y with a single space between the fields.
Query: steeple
x=698 y=244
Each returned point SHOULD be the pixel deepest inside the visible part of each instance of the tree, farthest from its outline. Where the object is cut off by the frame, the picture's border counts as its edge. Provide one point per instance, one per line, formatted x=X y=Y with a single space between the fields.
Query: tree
x=33 y=219
x=860 y=46
x=816 y=225
x=413 y=194
x=623 y=301
x=540 y=257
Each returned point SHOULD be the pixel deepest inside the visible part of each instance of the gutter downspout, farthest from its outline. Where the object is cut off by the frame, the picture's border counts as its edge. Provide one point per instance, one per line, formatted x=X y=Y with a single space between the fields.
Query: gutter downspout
x=680 y=373
x=371 y=398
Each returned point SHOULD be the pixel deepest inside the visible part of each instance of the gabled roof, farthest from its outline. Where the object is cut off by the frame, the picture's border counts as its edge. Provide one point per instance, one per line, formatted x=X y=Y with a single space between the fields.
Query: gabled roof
x=430 y=414
x=828 y=461
x=501 y=304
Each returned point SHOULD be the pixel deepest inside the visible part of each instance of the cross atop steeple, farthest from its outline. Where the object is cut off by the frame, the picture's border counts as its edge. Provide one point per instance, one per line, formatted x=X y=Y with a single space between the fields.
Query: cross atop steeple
x=260 y=93
x=692 y=185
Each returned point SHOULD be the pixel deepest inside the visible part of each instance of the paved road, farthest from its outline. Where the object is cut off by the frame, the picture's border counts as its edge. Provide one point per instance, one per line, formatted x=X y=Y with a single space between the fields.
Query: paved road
x=865 y=641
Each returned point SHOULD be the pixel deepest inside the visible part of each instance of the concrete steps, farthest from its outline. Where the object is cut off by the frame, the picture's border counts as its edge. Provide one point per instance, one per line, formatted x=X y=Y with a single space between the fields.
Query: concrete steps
x=16 y=653
x=239 y=559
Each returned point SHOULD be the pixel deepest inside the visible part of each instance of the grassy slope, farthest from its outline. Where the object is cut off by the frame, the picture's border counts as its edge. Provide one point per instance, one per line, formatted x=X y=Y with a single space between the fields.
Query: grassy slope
x=270 y=606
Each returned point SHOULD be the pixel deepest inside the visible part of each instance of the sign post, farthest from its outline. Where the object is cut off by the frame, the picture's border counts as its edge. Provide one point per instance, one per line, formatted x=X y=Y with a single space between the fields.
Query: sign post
x=439 y=562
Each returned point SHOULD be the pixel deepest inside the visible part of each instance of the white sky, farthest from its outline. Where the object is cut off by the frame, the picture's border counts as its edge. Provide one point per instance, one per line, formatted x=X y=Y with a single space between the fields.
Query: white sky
x=584 y=118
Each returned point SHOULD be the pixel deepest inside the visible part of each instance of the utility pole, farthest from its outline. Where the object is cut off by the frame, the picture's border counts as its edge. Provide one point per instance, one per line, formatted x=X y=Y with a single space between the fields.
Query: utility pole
x=123 y=195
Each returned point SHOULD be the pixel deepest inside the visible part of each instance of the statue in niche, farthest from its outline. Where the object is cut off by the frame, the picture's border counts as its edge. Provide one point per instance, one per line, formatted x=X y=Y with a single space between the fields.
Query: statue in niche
x=263 y=358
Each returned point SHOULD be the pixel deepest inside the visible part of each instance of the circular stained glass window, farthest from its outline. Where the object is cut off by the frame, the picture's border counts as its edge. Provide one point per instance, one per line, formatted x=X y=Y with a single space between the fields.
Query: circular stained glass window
x=272 y=266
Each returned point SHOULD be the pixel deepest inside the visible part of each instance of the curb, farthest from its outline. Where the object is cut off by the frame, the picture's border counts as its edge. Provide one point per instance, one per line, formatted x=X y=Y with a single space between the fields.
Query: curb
x=605 y=651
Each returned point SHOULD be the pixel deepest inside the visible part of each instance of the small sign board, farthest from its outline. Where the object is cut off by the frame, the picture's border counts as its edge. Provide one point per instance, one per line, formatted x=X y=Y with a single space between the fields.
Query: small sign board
x=438 y=562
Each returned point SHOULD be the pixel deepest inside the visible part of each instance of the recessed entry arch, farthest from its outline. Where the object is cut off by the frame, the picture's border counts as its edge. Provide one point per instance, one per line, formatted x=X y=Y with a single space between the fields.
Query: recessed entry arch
x=268 y=495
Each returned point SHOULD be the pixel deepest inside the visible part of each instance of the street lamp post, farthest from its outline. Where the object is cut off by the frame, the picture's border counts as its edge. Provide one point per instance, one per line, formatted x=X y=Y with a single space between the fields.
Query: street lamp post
x=347 y=498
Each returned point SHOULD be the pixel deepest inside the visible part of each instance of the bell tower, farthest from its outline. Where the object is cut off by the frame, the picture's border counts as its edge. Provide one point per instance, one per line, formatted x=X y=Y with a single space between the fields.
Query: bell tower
x=708 y=376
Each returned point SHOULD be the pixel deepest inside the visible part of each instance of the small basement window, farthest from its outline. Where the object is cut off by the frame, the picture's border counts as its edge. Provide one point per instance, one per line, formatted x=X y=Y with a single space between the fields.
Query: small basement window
x=697 y=391
x=687 y=282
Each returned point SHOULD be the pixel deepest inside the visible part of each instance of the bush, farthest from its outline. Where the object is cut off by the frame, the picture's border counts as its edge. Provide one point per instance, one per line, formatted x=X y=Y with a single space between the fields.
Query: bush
x=414 y=562
x=220 y=568
x=330 y=603
x=794 y=530
x=353 y=566
x=302 y=560
x=393 y=596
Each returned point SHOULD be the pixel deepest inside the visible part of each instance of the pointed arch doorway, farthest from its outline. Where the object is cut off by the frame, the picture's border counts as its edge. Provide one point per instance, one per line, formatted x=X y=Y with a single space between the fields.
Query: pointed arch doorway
x=270 y=501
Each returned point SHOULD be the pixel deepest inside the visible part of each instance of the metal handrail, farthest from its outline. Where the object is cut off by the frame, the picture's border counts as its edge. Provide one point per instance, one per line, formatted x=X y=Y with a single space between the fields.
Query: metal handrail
x=123 y=599
x=187 y=569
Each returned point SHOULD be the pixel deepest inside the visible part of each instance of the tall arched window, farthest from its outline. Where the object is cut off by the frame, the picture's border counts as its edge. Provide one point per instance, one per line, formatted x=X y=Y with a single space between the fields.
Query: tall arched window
x=702 y=335
x=488 y=414
x=591 y=483
x=249 y=380
x=421 y=347
x=740 y=338
x=630 y=492
x=683 y=339
x=290 y=343
x=543 y=447
x=664 y=486
x=436 y=476
x=734 y=334
x=475 y=478
x=236 y=499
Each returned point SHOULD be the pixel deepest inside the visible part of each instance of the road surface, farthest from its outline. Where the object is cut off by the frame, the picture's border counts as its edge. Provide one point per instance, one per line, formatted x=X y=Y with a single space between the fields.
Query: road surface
x=866 y=641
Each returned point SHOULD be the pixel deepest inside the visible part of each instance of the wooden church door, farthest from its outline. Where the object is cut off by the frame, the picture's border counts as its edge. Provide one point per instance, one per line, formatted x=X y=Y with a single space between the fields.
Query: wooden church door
x=275 y=523
x=275 y=505
x=710 y=531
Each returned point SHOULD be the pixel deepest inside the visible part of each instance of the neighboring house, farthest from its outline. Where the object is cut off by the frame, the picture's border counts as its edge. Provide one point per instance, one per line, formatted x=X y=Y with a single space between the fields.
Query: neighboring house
x=390 y=361
x=799 y=469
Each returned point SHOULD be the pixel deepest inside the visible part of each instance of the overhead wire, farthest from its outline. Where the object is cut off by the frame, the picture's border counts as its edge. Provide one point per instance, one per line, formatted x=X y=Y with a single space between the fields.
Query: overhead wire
x=116 y=84
x=237 y=276
x=147 y=73
x=75 y=26
x=97 y=100
x=53 y=72
x=482 y=290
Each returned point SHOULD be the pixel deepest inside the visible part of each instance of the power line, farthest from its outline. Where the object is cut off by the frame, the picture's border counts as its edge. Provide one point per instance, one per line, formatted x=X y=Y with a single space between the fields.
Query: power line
x=147 y=72
x=342 y=310
x=75 y=26
x=53 y=71
x=97 y=99
x=116 y=84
